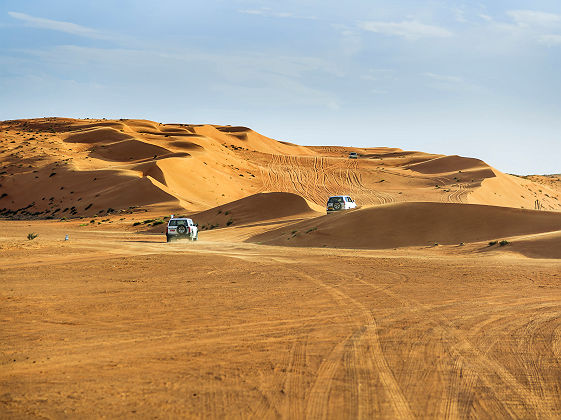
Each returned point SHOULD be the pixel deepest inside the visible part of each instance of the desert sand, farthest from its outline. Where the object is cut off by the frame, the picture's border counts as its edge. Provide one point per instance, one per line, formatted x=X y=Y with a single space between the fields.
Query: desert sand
x=438 y=297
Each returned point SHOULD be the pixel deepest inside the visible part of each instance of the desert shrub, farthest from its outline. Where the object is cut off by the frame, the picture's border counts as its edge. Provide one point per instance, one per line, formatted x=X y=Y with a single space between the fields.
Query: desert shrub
x=229 y=222
x=137 y=223
x=493 y=243
x=88 y=206
x=227 y=212
x=504 y=243
x=311 y=229
x=157 y=222
x=31 y=236
x=92 y=221
x=148 y=221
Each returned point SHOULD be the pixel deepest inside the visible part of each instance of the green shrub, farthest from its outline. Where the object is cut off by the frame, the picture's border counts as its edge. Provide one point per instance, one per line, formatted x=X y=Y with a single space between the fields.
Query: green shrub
x=311 y=230
x=493 y=243
x=31 y=236
x=229 y=222
x=504 y=243
x=157 y=222
x=137 y=223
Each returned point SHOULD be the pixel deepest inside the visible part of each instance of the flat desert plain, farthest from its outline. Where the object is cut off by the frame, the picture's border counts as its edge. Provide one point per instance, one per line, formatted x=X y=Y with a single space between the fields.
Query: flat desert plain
x=404 y=308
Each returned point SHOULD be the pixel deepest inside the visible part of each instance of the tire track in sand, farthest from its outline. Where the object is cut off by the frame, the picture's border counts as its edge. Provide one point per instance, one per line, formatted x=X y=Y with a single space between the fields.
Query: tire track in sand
x=367 y=358
x=509 y=392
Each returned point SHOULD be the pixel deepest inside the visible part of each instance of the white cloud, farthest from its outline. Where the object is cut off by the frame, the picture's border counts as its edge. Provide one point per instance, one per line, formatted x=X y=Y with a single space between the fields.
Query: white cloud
x=57 y=25
x=266 y=12
x=528 y=18
x=410 y=30
x=550 y=40
x=444 y=78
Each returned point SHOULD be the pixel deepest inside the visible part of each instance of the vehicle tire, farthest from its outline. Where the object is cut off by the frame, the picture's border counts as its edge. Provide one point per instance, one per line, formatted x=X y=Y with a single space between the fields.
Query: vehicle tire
x=195 y=237
x=336 y=206
x=181 y=229
x=168 y=238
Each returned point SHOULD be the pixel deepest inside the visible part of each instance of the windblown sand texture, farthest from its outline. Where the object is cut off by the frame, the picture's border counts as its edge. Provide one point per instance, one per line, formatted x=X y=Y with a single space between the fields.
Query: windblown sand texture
x=408 y=307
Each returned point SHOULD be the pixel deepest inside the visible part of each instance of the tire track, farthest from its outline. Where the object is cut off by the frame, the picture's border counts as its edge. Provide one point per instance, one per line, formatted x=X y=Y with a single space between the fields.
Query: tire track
x=496 y=377
x=317 y=406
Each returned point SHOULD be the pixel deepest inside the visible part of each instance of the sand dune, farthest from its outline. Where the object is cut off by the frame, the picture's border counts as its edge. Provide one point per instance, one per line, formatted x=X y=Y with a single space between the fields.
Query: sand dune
x=97 y=135
x=547 y=245
x=257 y=208
x=198 y=167
x=447 y=164
x=413 y=224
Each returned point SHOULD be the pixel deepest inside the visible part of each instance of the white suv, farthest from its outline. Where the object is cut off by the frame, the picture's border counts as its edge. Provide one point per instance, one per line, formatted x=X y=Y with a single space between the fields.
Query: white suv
x=181 y=227
x=340 y=202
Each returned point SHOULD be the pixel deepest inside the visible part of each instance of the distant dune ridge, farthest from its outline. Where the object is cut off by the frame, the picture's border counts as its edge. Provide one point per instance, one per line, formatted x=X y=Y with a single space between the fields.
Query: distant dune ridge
x=61 y=167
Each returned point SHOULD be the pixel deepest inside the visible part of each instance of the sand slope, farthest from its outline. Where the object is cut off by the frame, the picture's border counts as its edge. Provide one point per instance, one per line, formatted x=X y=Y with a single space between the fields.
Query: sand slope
x=413 y=224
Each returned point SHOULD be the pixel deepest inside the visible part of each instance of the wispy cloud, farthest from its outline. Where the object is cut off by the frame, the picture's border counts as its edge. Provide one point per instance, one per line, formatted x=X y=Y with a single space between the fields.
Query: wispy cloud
x=267 y=12
x=58 y=25
x=410 y=30
x=444 y=78
x=528 y=18
x=550 y=40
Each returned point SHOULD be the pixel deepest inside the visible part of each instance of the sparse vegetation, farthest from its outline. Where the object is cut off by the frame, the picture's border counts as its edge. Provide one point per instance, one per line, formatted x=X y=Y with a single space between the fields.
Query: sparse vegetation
x=31 y=236
x=504 y=243
x=229 y=222
x=492 y=243
x=311 y=229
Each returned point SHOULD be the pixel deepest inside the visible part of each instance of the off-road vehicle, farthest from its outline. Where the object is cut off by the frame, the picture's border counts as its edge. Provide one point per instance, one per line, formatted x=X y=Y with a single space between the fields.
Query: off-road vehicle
x=181 y=227
x=340 y=202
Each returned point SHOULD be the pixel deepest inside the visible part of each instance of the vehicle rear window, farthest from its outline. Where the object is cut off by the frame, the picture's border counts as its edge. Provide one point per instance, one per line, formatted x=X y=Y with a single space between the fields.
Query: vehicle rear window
x=335 y=200
x=177 y=222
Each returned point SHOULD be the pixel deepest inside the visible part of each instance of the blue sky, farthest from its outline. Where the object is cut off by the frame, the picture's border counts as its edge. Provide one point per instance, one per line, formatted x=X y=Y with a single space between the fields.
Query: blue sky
x=478 y=79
